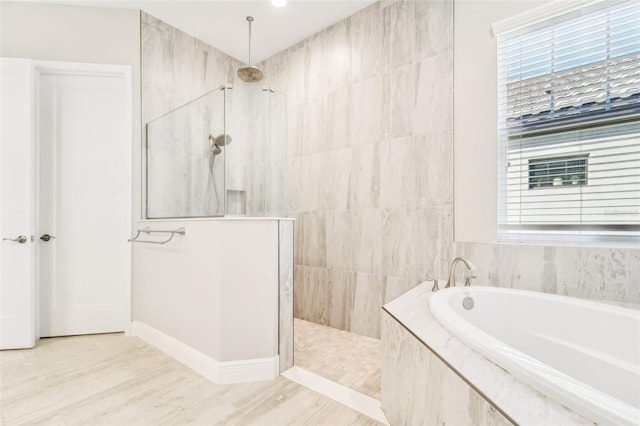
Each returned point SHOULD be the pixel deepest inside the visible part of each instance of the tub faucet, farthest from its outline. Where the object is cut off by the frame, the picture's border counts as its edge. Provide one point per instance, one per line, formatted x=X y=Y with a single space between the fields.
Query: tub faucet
x=451 y=282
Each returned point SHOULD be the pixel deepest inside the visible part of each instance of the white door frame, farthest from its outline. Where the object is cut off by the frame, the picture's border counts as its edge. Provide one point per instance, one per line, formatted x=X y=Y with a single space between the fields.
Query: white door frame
x=71 y=68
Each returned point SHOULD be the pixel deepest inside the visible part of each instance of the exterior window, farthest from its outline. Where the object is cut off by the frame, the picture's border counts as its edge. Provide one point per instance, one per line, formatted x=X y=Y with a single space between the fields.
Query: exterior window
x=557 y=172
x=569 y=125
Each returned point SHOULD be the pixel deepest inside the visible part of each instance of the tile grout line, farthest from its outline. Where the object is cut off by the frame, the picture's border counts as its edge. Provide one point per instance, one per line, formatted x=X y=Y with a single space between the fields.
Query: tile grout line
x=355 y=400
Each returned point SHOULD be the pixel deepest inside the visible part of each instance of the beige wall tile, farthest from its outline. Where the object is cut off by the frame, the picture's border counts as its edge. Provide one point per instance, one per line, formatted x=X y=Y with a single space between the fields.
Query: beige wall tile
x=398 y=36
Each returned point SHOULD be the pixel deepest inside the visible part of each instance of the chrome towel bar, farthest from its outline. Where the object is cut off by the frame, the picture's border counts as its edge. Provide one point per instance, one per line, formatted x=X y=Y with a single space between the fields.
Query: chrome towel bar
x=148 y=230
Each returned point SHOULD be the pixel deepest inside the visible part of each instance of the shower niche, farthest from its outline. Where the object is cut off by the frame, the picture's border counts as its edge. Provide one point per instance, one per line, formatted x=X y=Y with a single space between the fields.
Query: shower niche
x=222 y=154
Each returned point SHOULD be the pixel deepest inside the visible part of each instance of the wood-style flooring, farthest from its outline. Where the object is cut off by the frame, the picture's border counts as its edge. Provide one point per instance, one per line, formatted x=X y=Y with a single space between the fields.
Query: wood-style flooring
x=343 y=357
x=111 y=379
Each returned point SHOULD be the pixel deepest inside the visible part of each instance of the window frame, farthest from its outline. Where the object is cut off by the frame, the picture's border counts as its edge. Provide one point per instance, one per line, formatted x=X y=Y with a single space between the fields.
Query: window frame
x=600 y=232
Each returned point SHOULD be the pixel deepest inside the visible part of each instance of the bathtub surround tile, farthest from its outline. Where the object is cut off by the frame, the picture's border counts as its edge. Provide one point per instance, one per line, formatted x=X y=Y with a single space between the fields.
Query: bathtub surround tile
x=411 y=312
x=419 y=389
x=550 y=273
x=285 y=271
x=521 y=267
x=484 y=257
x=593 y=273
x=582 y=272
x=634 y=276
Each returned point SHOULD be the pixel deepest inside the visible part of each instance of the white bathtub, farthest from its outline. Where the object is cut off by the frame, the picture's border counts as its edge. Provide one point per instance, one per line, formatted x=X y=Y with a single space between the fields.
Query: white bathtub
x=585 y=355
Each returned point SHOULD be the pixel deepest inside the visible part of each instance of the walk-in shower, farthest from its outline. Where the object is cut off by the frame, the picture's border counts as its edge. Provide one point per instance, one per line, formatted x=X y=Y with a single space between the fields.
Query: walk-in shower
x=223 y=153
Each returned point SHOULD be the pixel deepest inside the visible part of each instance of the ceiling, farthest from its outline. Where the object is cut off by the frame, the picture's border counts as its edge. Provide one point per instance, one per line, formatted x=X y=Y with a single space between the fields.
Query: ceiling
x=222 y=23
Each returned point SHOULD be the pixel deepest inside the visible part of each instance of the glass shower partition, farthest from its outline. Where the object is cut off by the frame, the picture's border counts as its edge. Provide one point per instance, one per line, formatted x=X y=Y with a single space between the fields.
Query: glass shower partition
x=221 y=154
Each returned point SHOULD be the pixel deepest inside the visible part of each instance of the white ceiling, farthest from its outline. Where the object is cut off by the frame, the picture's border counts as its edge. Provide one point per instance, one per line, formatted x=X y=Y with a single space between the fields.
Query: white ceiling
x=222 y=23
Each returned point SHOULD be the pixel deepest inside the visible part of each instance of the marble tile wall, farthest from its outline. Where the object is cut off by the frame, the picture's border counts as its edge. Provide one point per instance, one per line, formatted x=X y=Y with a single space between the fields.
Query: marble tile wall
x=370 y=158
x=178 y=68
x=607 y=273
x=370 y=164
x=370 y=174
x=419 y=389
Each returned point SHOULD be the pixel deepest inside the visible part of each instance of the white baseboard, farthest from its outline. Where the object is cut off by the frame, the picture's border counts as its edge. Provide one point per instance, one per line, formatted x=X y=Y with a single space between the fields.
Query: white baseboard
x=248 y=370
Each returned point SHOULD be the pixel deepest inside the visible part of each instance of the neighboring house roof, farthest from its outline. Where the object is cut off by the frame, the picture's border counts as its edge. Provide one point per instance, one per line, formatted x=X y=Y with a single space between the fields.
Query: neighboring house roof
x=605 y=88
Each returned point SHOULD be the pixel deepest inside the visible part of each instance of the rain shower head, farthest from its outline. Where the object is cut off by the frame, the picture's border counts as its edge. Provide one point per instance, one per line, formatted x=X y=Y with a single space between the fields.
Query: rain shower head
x=249 y=73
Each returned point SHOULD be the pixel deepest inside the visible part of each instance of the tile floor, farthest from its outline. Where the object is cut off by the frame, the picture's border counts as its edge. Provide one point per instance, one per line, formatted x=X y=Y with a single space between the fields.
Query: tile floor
x=111 y=379
x=343 y=357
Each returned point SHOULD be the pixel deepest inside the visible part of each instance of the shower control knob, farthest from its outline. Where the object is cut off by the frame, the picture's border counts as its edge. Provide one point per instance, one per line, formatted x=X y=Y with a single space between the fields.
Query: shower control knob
x=46 y=237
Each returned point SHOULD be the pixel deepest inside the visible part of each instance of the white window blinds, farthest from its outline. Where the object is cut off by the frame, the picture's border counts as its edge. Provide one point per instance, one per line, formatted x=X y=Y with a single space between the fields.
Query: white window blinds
x=569 y=129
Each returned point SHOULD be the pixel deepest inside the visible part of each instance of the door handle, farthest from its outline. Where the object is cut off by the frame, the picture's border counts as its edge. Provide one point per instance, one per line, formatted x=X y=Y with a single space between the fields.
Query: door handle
x=46 y=237
x=21 y=239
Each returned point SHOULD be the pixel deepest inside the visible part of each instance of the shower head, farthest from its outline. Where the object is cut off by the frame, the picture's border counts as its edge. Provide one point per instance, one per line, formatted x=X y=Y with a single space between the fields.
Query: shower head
x=249 y=73
x=220 y=140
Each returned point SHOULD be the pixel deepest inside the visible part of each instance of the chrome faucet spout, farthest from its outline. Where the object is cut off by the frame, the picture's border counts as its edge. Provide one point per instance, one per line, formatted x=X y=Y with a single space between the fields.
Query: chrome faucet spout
x=451 y=282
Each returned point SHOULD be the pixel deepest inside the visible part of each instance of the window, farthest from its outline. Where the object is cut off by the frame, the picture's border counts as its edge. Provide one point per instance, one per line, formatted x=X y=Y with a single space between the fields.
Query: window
x=544 y=172
x=569 y=125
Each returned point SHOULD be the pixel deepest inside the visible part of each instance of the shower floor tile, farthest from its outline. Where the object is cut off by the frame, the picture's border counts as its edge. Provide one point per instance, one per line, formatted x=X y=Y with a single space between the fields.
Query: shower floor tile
x=343 y=357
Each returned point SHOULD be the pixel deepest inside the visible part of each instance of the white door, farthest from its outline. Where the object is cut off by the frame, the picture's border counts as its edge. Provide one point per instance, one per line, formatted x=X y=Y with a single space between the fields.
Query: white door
x=84 y=203
x=17 y=284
